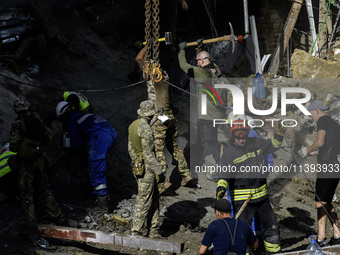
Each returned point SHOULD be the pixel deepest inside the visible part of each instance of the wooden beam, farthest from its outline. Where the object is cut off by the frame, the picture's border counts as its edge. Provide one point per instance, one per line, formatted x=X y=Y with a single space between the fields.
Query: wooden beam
x=326 y=250
x=94 y=236
x=287 y=31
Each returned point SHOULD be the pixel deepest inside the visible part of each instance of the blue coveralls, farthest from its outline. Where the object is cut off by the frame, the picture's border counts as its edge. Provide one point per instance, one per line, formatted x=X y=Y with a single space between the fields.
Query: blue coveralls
x=99 y=137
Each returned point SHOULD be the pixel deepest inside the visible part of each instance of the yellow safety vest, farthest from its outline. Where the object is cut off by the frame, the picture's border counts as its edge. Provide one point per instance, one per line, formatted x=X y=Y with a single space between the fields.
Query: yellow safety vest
x=83 y=102
x=4 y=167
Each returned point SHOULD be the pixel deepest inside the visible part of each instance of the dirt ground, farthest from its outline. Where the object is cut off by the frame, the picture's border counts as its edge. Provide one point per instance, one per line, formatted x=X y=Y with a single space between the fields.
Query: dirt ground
x=103 y=72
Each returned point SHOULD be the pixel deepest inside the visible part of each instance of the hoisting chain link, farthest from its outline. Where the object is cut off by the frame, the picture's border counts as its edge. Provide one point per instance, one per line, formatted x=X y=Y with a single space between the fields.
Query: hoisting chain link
x=155 y=31
x=152 y=66
x=147 y=30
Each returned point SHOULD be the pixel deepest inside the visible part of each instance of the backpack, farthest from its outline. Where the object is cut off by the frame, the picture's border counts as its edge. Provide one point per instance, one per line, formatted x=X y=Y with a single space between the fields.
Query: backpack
x=33 y=131
x=232 y=246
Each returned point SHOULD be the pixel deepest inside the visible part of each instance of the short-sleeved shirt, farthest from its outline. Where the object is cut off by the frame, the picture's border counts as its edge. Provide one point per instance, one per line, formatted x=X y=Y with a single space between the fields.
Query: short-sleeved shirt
x=218 y=234
x=328 y=152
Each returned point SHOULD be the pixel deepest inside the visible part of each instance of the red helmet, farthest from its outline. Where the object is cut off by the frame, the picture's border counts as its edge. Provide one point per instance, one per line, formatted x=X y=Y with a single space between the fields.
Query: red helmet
x=239 y=129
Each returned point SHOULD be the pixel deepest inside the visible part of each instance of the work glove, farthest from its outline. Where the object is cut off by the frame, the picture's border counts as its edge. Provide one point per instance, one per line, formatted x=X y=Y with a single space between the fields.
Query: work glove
x=200 y=45
x=280 y=129
x=303 y=152
x=183 y=46
x=220 y=192
x=160 y=178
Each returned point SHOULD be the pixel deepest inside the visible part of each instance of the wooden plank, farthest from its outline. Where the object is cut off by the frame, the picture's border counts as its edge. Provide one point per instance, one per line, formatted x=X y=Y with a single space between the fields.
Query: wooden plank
x=331 y=250
x=288 y=28
x=94 y=236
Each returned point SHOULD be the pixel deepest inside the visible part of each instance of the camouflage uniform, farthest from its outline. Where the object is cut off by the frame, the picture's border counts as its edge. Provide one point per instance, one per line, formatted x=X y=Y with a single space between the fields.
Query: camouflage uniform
x=32 y=177
x=146 y=214
x=165 y=134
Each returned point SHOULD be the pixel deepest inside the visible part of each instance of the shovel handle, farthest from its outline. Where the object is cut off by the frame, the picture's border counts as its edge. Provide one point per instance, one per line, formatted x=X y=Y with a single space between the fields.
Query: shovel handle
x=243 y=206
x=218 y=39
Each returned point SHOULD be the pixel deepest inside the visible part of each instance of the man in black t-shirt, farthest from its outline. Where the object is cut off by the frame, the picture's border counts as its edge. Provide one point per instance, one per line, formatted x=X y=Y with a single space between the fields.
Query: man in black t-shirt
x=326 y=146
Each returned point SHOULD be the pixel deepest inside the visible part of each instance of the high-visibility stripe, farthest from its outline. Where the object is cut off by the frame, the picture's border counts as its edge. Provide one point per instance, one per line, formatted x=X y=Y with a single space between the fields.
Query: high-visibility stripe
x=4 y=167
x=222 y=183
x=246 y=156
x=243 y=194
x=101 y=186
x=84 y=117
x=276 y=143
x=272 y=247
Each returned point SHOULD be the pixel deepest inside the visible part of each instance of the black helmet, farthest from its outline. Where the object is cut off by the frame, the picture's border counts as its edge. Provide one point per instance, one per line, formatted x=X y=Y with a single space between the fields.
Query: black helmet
x=20 y=104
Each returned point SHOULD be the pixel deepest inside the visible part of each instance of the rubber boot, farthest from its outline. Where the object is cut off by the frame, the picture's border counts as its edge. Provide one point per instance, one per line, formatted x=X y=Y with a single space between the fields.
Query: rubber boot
x=187 y=181
x=102 y=205
x=163 y=186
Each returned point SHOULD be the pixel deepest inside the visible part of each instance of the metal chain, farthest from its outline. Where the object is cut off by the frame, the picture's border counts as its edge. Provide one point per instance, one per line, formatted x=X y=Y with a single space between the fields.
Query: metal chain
x=155 y=31
x=152 y=66
x=148 y=30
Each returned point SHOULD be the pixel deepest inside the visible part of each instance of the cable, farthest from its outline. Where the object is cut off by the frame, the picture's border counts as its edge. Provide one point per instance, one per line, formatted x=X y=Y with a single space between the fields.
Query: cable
x=316 y=195
x=212 y=25
x=87 y=90
x=180 y=88
x=125 y=105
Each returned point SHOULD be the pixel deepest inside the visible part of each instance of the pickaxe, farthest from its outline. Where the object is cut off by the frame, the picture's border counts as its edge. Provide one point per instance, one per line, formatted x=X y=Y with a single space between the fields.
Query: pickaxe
x=230 y=37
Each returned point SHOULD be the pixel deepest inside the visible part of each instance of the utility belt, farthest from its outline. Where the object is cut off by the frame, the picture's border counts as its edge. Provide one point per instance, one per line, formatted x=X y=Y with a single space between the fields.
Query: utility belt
x=165 y=111
x=169 y=111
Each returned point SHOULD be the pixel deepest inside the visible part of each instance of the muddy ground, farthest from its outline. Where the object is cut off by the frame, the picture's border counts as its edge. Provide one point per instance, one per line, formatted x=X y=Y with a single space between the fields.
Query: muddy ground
x=102 y=72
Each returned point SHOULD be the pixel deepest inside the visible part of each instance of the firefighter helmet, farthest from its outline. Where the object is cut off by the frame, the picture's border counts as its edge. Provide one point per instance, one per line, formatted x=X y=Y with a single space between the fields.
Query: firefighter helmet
x=239 y=129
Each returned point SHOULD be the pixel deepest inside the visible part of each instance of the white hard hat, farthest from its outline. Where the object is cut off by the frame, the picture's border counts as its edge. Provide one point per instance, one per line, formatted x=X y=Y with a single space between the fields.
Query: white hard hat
x=61 y=108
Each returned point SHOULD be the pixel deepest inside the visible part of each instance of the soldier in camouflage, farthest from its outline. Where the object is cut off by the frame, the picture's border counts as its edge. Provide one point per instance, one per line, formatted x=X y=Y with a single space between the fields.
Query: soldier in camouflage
x=28 y=134
x=141 y=150
x=164 y=125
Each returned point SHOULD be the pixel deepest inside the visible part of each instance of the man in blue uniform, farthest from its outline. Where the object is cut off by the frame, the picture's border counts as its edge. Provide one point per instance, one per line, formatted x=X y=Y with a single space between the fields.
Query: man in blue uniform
x=227 y=234
x=98 y=136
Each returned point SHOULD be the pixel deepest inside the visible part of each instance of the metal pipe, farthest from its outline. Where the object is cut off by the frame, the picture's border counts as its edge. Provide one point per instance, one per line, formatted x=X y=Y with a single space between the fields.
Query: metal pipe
x=288 y=57
x=246 y=19
x=312 y=26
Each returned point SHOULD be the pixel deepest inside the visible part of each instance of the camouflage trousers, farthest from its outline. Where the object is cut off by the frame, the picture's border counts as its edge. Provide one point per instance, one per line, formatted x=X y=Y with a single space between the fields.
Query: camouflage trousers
x=166 y=135
x=146 y=212
x=32 y=185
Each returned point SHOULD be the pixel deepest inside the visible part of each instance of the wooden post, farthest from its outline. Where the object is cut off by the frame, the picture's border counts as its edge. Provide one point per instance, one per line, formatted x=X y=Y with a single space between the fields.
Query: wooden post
x=287 y=31
x=323 y=28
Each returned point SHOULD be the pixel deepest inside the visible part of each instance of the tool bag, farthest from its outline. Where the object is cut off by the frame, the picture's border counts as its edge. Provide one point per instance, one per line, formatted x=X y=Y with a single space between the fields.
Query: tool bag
x=232 y=246
x=138 y=166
